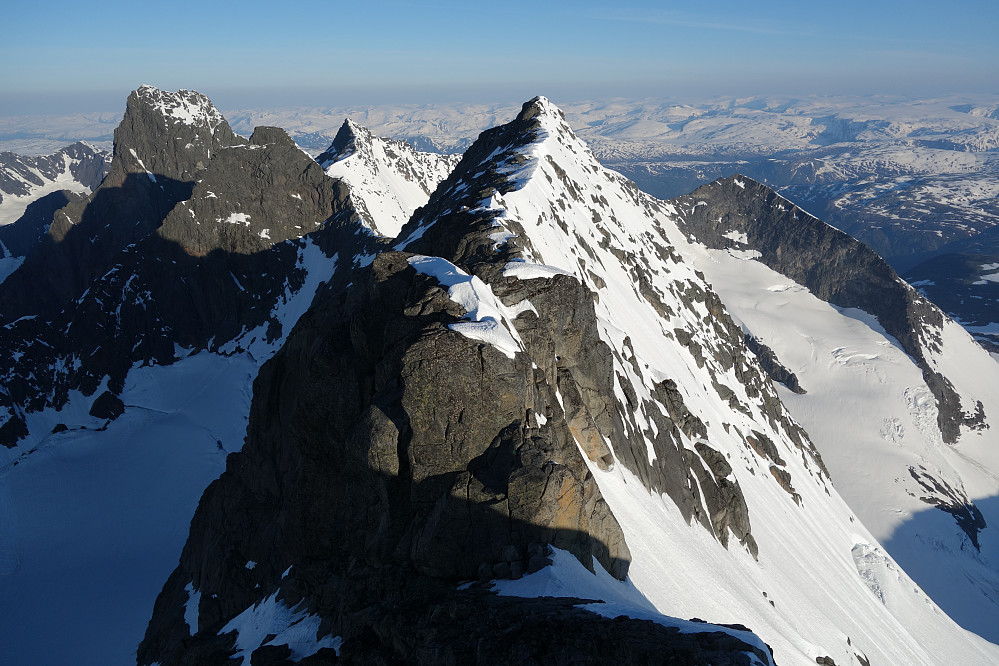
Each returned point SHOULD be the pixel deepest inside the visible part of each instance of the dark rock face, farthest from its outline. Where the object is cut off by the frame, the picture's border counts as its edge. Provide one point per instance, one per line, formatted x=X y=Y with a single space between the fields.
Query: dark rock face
x=953 y=501
x=565 y=328
x=389 y=458
x=107 y=406
x=140 y=268
x=415 y=480
x=251 y=196
x=534 y=631
x=772 y=365
x=833 y=266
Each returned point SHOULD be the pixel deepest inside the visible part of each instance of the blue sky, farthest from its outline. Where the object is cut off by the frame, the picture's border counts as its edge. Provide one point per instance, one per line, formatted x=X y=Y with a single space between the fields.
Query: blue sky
x=59 y=54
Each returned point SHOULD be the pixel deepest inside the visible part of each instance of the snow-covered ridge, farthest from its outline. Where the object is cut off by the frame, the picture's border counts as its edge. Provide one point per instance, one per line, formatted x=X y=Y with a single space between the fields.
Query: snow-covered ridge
x=556 y=206
x=488 y=319
x=26 y=179
x=388 y=179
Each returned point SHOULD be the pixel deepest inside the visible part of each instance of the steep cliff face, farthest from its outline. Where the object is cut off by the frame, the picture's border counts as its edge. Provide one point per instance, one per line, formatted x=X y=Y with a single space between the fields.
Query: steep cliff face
x=388 y=456
x=153 y=264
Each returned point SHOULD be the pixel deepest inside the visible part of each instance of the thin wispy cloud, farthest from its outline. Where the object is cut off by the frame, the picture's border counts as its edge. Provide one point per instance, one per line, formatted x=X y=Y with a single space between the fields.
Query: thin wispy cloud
x=683 y=20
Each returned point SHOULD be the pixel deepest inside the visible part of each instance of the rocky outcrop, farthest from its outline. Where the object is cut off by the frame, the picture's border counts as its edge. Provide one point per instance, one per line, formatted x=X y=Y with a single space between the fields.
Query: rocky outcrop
x=252 y=196
x=386 y=452
x=396 y=450
x=561 y=332
x=954 y=501
x=162 y=143
x=772 y=365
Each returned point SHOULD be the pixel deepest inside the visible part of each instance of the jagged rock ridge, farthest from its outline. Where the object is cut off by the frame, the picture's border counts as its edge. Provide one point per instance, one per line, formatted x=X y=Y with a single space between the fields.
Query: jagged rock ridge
x=472 y=477
x=153 y=263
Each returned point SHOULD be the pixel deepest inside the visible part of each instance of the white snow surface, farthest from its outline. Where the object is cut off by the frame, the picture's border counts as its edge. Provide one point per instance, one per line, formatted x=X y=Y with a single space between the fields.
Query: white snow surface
x=12 y=207
x=872 y=416
x=489 y=320
x=185 y=107
x=388 y=179
x=87 y=511
x=806 y=595
x=191 y=612
x=293 y=626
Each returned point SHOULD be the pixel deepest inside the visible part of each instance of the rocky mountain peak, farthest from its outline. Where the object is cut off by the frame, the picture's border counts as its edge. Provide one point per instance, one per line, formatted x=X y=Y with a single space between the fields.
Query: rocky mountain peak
x=252 y=196
x=345 y=143
x=171 y=134
x=389 y=179
x=540 y=106
x=186 y=107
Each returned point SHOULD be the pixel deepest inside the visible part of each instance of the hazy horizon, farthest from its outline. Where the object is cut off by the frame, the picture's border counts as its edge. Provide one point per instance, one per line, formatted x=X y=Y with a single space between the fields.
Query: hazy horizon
x=71 y=59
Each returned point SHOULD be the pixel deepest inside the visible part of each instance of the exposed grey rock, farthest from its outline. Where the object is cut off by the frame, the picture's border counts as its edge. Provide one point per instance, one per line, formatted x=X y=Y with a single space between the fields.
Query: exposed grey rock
x=252 y=196
x=772 y=365
x=389 y=457
x=411 y=478
x=950 y=500
x=131 y=281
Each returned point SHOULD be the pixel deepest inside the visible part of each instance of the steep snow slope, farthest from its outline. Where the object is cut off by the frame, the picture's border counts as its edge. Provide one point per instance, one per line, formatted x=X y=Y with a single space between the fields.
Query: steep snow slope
x=869 y=410
x=821 y=584
x=94 y=517
x=388 y=179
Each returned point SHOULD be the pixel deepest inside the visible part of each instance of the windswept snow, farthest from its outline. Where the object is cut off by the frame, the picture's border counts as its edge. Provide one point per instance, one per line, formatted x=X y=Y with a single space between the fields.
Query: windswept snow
x=388 y=179
x=12 y=206
x=191 y=613
x=182 y=107
x=489 y=320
